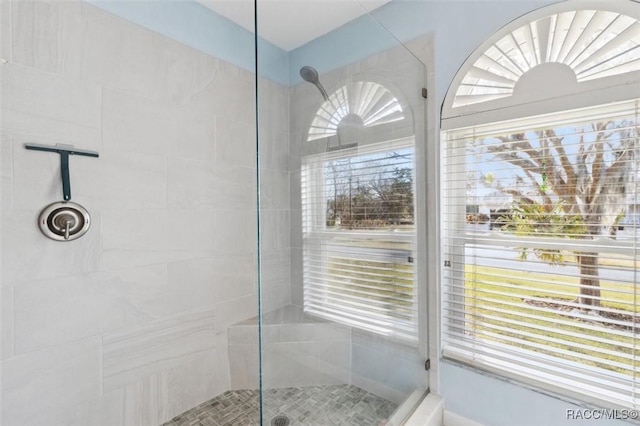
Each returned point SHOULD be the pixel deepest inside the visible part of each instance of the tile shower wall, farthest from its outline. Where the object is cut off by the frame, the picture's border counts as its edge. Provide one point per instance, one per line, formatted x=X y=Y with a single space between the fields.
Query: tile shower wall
x=275 y=218
x=127 y=325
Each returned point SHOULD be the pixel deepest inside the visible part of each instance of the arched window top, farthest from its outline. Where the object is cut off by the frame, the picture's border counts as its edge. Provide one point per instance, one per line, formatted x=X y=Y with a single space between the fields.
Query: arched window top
x=539 y=154
x=362 y=103
x=564 y=51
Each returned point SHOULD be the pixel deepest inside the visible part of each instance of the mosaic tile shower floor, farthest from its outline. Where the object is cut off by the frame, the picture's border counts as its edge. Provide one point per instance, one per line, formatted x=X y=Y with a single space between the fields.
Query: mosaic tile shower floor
x=308 y=406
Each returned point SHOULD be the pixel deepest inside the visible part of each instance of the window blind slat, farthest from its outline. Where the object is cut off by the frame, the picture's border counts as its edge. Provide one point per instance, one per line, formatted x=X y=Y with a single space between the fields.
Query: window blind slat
x=358 y=237
x=541 y=225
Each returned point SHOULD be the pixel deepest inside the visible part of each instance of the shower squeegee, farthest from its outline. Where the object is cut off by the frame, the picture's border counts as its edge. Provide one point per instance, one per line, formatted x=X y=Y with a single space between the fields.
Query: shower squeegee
x=65 y=151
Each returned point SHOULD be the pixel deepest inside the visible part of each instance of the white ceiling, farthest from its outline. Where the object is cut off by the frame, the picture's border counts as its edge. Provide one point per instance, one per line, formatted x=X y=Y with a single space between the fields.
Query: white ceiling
x=291 y=23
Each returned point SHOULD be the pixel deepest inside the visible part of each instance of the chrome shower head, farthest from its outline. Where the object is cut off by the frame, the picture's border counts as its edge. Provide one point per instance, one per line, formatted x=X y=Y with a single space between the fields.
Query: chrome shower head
x=310 y=75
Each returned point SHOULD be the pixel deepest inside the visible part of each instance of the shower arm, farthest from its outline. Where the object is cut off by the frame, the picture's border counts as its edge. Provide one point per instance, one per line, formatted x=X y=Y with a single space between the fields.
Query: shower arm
x=65 y=151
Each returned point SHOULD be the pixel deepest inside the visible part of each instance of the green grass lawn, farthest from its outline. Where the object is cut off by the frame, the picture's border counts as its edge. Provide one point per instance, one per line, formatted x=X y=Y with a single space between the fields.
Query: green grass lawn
x=496 y=309
x=386 y=284
x=495 y=301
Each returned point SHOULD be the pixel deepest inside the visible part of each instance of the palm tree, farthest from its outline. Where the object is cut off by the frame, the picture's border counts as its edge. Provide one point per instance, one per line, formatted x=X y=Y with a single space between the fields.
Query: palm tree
x=577 y=189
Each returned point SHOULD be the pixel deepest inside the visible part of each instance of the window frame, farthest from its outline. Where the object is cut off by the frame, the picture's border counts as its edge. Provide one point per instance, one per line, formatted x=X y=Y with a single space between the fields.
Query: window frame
x=520 y=109
x=455 y=241
x=316 y=218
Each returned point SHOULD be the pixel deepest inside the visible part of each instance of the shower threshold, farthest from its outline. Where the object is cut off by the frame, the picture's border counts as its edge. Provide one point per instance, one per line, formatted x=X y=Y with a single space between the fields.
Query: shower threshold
x=309 y=406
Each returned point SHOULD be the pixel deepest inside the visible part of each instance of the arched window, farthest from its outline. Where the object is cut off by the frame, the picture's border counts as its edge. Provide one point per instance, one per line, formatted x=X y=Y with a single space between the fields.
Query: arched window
x=357 y=193
x=541 y=203
x=364 y=103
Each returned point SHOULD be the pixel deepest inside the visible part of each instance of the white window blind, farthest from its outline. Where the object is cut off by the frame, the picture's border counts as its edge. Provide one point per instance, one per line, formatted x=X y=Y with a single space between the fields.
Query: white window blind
x=541 y=250
x=359 y=238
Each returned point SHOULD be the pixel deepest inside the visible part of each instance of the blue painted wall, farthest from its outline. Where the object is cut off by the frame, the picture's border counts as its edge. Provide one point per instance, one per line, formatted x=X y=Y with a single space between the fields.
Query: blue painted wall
x=459 y=26
x=199 y=27
x=495 y=402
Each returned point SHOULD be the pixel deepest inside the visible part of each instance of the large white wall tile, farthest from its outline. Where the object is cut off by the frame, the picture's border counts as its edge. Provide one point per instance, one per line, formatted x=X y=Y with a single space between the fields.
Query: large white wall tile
x=147 y=237
x=234 y=311
x=306 y=363
x=139 y=295
x=304 y=332
x=114 y=53
x=93 y=45
x=66 y=309
x=244 y=361
x=140 y=66
x=197 y=136
x=195 y=184
x=371 y=355
x=297 y=276
x=159 y=397
x=221 y=369
x=131 y=355
x=274 y=279
x=276 y=297
x=29 y=255
x=273 y=147
x=212 y=280
x=274 y=104
x=56 y=310
x=236 y=143
x=306 y=100
x=104 y=410
x=296 y=228
x=275 y=229
x=244 y=333
x=107 y=410
x=274 y=189
x=296 y=141
x=273 y=126
x=123 y=181
x=145 y=401
x=81 y=41
x=190 y=230
x=6 y=171
x=189 y=72
x=6 y=321
x=231 y=94
x=43 y=382
x=5 y=30
x=295 y=189
x=173 y=71
x=274 y=268
x=46 y=34
x=294 y=354
x=235 y=231
x=134 y=123
x=48 y=108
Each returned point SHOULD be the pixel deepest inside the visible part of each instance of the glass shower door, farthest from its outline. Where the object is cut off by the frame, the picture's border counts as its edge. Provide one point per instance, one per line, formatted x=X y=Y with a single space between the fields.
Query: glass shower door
x=341 y=123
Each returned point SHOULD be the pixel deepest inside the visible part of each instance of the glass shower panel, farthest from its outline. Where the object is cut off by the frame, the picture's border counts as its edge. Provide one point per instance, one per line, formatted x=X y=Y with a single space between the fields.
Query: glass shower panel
x=341 y=120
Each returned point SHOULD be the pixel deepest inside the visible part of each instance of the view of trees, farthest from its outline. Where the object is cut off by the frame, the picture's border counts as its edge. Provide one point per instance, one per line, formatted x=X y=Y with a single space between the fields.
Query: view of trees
x=369 y=192
x=571 y=182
